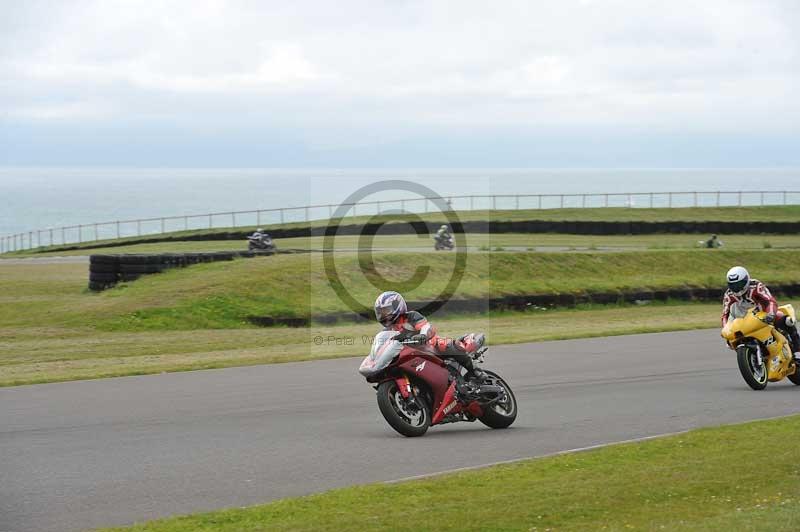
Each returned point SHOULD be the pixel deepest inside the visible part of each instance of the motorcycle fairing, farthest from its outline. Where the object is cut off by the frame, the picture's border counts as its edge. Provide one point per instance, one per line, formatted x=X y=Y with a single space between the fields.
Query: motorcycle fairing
x=448 y=406
x=779 y=361
x=431 y=369
x=384 y=349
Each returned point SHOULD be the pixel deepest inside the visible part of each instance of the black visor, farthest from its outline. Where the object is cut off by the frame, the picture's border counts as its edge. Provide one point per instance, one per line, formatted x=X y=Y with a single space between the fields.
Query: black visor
x=385 y=314
x=738 y=286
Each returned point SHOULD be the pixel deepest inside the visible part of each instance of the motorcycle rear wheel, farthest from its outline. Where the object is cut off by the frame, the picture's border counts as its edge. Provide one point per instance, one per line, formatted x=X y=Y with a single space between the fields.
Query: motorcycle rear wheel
x=754 y=376
x=406 y=417
x=500 y=415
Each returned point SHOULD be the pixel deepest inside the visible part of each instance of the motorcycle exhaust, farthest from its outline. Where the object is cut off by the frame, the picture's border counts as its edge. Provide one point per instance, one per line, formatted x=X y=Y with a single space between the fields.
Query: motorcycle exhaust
x=486 y=394
x=501 y=396
x=490 y=388
x=492 y=393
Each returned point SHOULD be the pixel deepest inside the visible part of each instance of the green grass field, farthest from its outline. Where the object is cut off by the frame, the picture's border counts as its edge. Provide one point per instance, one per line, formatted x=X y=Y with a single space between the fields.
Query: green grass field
x=474 y=241
x=224 y=294
x=738 y=477
x=790 y=213
x=52 y=328
x=31 y=355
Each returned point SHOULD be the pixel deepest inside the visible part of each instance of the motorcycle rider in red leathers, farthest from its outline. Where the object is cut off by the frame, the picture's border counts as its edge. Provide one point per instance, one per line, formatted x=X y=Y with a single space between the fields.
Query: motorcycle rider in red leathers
x=745 y=293
x=392 y=312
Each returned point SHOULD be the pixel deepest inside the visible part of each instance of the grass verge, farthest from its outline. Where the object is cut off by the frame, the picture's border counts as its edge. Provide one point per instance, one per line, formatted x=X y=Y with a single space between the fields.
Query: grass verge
x=224 y=295
x=41 y=354
x=52 y=329
x=721 y=478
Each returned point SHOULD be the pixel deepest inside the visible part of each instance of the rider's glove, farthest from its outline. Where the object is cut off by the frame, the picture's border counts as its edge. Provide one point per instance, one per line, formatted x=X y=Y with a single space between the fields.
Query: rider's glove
x=769 y=318
x=419 y=338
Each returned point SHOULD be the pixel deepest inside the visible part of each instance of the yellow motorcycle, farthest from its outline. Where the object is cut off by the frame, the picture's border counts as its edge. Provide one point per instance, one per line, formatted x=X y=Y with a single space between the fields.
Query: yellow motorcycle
x=764 y=352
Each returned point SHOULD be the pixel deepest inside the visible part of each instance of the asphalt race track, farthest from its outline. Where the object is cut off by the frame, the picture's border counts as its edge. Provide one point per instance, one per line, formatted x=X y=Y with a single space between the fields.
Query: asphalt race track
x=106 y=452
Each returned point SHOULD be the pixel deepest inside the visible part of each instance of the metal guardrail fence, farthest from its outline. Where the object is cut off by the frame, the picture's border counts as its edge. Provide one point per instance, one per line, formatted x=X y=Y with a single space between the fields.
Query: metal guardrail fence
x=76 y=234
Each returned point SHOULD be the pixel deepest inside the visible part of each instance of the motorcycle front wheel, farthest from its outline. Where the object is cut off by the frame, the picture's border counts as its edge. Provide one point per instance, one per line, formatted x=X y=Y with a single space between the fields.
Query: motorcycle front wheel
x=754 y=375
x=410 y=417
x=501 y=414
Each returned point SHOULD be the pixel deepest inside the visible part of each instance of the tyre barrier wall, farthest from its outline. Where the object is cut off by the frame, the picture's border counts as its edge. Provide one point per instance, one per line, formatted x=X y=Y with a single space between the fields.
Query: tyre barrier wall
x=522 y=226
x=106 y=271
x=534 y=301
x=624 y=228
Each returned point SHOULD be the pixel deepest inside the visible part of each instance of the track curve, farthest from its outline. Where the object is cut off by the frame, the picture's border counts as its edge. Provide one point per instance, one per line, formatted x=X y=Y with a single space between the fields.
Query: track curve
x=87 y=454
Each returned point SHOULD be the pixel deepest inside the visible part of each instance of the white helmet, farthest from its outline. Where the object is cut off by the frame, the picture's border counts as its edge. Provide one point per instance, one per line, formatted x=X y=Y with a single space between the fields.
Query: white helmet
x=738 y=280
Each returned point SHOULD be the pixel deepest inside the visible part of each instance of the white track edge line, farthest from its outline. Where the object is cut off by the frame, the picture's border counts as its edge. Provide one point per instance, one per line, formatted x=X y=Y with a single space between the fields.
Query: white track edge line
x=569 y=451
x=535 y=457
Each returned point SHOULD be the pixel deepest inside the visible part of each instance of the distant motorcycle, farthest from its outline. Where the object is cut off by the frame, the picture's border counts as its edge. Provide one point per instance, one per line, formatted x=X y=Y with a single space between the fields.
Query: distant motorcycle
x=259 y=244
x=440 y=243
x=417 y=389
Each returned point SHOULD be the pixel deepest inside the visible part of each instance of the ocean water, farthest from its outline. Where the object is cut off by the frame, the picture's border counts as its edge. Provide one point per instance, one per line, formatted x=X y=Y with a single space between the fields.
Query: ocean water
x=42 y=198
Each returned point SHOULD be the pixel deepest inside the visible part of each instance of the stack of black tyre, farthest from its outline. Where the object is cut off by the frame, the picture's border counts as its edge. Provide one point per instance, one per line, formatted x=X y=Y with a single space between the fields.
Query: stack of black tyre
x=107 y=270
x=103 y=271
x=131 y=267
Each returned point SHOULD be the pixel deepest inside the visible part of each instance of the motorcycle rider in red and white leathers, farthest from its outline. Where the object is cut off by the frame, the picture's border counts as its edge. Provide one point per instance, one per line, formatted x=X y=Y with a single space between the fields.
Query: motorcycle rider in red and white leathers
x=392 y=312
x=745 y=293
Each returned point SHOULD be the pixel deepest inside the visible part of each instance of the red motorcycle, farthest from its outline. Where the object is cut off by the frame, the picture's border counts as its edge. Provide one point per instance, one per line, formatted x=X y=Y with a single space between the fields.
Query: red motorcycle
x=418 y=389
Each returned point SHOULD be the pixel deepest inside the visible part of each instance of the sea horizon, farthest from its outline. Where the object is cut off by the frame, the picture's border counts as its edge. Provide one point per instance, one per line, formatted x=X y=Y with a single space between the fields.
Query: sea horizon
x=42 y=197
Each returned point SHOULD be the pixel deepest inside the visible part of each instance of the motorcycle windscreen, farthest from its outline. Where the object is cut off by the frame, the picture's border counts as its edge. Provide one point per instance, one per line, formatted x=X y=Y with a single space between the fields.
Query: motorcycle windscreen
x=384 y=349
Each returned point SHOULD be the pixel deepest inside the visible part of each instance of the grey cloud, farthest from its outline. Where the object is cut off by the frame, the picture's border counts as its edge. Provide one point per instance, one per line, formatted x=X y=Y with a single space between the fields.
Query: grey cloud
x=337 y=73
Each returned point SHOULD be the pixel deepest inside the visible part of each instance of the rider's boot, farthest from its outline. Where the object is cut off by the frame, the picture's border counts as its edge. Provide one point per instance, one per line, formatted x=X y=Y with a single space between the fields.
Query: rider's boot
x=469 y=343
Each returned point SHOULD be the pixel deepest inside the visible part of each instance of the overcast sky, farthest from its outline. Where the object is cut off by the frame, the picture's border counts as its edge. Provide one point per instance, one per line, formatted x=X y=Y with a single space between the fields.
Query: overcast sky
x=400 y=83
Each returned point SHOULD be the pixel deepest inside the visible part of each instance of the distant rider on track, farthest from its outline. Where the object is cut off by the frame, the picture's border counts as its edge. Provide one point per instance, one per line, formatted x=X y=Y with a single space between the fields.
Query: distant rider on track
x=443 y=239
x=261 y=236
x=261 y=240
x=443 y=233
x=714 y=242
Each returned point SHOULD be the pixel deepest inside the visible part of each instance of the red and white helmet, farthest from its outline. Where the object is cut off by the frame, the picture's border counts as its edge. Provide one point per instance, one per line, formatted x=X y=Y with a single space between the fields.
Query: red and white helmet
x=388 y=307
